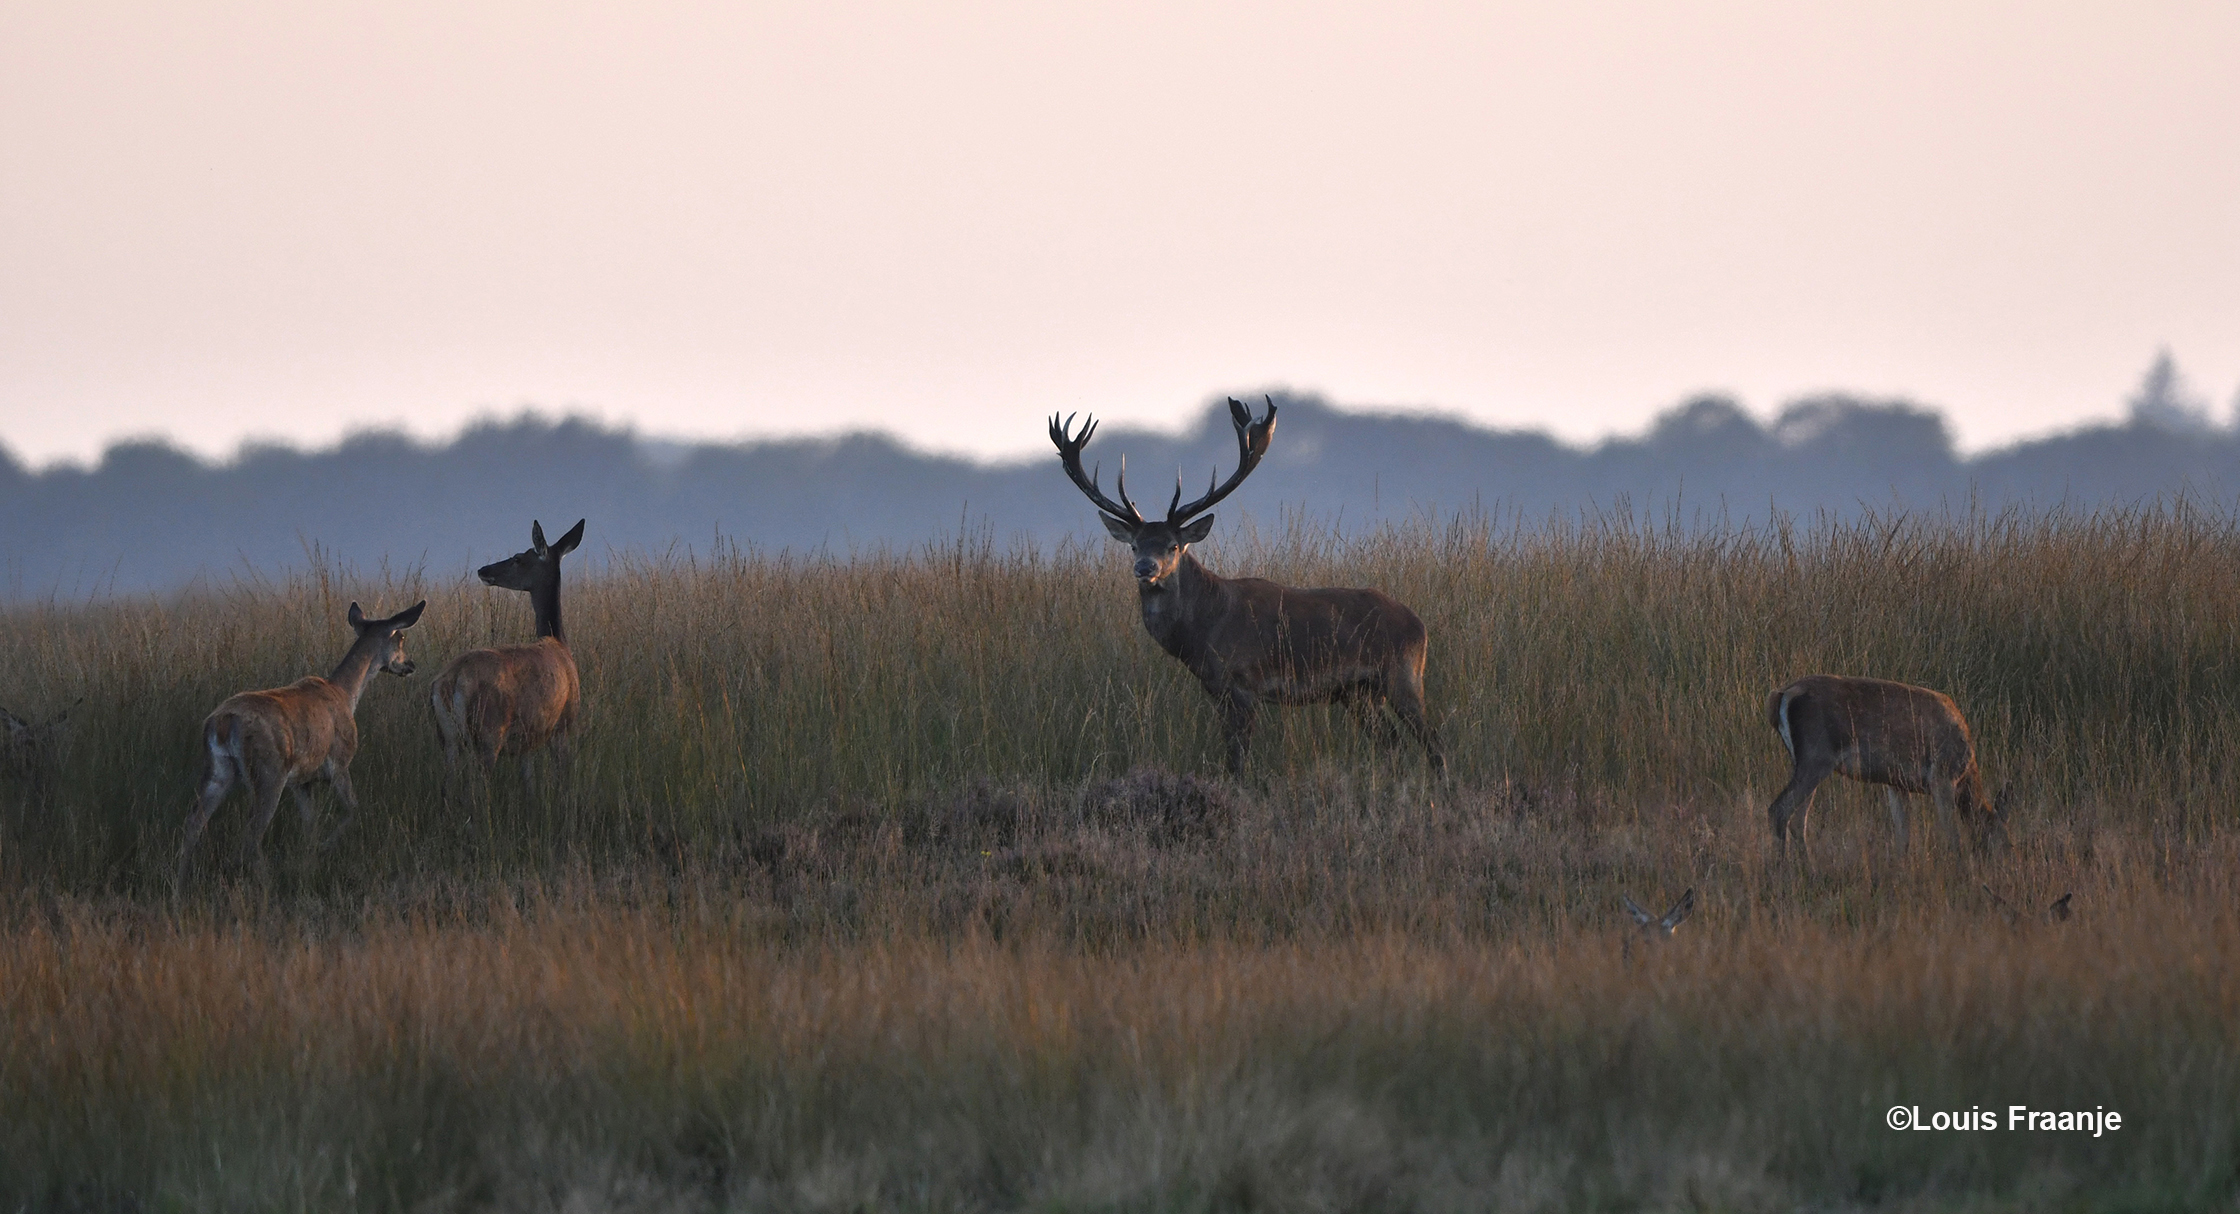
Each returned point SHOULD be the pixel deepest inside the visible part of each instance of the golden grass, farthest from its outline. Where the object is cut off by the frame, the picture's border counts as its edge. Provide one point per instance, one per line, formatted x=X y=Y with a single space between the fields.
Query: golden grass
x=875 y=885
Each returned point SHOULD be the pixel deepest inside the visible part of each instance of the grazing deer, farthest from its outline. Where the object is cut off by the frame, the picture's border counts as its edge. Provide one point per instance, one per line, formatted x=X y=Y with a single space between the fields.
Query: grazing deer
x=286 y=736
x=1658 y=927
x=2057 y=911
x=1250 y=640
x=513 y=699
x=1907 y=739
x=31 y=753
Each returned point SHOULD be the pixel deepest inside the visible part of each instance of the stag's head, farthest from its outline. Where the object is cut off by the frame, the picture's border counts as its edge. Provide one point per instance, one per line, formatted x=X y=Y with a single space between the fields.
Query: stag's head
x=387 y=636
x=1158 y=544
x=535 y=568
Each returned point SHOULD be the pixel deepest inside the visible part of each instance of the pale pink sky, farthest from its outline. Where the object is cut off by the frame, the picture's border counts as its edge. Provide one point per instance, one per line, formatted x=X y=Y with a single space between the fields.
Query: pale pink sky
x=228 y=219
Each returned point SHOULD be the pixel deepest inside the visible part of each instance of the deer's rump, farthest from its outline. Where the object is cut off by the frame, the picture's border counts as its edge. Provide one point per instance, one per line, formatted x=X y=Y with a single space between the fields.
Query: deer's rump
x=512 y=698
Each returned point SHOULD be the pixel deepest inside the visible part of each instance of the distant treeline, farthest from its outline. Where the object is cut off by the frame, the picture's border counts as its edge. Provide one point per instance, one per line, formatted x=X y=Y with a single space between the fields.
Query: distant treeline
x=151 y=517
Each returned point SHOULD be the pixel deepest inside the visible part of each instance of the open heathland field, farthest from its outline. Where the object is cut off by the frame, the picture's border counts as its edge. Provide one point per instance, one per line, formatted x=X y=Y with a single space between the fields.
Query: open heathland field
x=910 y=881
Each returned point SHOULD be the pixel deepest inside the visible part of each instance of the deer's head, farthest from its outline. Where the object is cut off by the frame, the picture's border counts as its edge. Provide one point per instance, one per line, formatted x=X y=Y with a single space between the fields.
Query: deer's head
x=536 y=567
x=1158 y=545
x=387 y=636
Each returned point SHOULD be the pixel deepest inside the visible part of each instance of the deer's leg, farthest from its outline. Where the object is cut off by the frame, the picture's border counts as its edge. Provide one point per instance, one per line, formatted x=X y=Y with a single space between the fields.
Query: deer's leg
x=1897 y=802
x=1238 y=716
x=1947 y=814
x=264 y=788
x=1795 y=802
x=339 y=777
x=217 y=780
x=1366 y=706
x=1407 y=703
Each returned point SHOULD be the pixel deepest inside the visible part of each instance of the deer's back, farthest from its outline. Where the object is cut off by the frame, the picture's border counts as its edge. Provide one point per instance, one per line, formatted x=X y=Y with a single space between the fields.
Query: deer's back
x=298 y=728
x=527 y=691
x=1287 y=643
x=1875 y=729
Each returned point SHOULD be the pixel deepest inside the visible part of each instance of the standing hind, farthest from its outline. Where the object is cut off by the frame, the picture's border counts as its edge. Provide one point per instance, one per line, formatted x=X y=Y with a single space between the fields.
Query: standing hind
x=514 y=699
x=283 y=737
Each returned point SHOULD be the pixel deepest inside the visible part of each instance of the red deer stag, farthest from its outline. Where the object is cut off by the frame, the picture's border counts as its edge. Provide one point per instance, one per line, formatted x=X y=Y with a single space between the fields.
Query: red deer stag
x=286 y=736
x=514 y=699
x=1249 y=640
x=1907 y=739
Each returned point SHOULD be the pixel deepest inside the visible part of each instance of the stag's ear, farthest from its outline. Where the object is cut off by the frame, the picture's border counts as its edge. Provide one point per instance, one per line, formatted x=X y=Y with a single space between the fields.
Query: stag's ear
x=1639 y=916
x=1121 y=529
x=569 y=541
x=1680 y=911
x=357 y=617
x=1196 y=529
x=536 y=537
x=409 y=616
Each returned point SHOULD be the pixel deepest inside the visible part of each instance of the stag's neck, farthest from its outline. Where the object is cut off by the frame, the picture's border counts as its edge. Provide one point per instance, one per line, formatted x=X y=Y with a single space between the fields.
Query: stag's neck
x=355 y=671
x=545 y=601
x=1172 y=608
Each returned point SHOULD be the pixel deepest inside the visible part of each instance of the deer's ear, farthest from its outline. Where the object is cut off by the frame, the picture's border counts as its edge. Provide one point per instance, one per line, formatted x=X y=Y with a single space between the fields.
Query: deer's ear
x=536 y=537
x=1632 y=908
x=569 y=541
x=1196 y=529
x=357 y=617
x=1680 y=910
x=1121 y=529
x=409 y=616
x=17 y=727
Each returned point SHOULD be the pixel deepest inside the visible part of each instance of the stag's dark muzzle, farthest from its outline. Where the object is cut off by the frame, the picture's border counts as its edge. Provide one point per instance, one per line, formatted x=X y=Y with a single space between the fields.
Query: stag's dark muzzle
x=1145 y=567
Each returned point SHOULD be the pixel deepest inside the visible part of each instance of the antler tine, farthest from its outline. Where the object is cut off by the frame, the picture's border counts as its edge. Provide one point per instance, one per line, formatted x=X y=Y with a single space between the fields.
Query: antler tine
x=1252 y=443
x=1069 y=454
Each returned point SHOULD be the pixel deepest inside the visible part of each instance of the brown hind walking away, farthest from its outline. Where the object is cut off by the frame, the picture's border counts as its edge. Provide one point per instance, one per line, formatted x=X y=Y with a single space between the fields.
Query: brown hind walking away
x=286 y=736
x=514 y=699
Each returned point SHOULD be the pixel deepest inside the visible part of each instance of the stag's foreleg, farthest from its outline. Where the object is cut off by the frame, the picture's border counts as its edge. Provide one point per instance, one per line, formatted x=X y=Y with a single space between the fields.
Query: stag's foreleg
x=1239 y=714
x=1795 y=801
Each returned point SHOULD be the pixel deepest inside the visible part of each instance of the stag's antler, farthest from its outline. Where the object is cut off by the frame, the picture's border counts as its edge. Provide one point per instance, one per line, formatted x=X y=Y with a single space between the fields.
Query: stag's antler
x=1069 y=454
x=1252 y=444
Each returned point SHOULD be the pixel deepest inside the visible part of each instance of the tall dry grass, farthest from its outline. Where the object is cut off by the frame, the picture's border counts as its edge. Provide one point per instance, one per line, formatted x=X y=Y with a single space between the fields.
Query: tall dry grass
x=905 y=882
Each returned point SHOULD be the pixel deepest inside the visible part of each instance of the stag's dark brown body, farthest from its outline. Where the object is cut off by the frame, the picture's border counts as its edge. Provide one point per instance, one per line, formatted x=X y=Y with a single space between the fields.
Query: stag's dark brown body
x=1250 y=641
x=1907 y=739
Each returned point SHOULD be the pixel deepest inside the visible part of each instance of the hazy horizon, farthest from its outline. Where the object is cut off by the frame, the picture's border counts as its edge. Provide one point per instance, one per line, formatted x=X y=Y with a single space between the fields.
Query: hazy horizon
x=243 y=220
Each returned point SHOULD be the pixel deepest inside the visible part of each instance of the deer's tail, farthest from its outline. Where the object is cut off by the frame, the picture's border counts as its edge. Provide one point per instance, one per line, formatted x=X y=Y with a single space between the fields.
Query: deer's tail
x=1777 y=715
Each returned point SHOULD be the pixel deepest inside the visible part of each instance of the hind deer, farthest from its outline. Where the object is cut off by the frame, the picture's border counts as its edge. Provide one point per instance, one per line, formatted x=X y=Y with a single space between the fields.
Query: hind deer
x=31 y=753
x=1250 y=641
x=284 y=737
x=1907 y=739
x=1657 y=928
x=514 y=699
